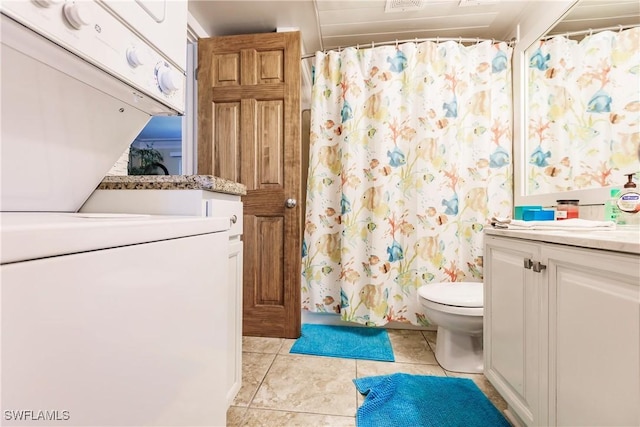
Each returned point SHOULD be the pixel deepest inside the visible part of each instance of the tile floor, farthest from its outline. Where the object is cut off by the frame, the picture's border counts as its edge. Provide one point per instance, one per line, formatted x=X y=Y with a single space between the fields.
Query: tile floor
x=283 y=389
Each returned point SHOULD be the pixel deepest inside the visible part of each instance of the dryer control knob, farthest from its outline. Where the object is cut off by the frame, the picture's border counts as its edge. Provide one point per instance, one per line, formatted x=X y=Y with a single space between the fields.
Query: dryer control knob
x=77 y=14
x=169 y=80
x=136 y=57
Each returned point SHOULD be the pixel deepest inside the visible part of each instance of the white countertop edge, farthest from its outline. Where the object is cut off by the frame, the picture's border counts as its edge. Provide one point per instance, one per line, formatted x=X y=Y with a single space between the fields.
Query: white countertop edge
x=623 y=239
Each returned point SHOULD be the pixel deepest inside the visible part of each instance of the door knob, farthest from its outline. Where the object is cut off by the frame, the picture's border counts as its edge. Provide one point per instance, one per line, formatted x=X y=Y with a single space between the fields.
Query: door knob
x=291 y=203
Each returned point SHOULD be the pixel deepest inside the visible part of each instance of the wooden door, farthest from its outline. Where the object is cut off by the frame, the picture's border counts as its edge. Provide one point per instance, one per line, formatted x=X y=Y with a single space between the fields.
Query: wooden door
x=249 y=132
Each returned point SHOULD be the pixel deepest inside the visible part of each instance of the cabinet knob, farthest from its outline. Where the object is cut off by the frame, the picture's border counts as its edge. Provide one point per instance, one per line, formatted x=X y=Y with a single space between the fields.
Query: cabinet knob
x=538 y=266
x=233 y=219
x=528 y=263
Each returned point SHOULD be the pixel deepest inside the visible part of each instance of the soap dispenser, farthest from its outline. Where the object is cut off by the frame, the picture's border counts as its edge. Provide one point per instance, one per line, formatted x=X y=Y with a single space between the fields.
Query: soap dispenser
x=629 y=203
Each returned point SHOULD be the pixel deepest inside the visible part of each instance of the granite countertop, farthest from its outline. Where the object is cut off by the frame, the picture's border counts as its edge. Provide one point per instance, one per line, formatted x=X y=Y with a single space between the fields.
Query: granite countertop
x=172 y=182
x=622 y=239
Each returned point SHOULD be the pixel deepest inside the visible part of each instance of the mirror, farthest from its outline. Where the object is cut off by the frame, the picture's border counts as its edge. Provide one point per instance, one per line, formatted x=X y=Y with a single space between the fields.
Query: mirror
x=581 y=102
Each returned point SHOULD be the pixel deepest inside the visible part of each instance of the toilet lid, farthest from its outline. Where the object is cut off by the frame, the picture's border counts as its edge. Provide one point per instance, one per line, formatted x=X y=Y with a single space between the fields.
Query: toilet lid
x=459 y=294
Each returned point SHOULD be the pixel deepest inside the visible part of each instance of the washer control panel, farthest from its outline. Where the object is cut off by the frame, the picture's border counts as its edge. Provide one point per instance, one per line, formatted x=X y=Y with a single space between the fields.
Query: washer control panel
x=90 y=31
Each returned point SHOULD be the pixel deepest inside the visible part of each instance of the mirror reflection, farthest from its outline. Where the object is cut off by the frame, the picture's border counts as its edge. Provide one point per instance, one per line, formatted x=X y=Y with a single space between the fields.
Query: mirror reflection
x=583 y=100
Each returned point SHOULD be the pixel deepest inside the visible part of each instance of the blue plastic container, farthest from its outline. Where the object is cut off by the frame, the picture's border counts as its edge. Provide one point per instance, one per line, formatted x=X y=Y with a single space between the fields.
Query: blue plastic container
x=538 y=215
x=519 y=211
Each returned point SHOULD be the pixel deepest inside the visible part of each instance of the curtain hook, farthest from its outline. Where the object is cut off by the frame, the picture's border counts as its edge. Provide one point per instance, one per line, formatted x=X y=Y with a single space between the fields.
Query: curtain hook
x=437 y=40
x=373 y=45
x=358 y=46
x=590 y=32
x=396 y=43
x=477 y=40
x=620 y=25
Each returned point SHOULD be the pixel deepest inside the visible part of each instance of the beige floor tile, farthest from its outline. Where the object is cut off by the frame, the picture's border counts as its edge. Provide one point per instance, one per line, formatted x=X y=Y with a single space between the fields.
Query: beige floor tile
x=254 y=369
x=411 y=347
x=270 y=418
x=261 y=344
x=487 y=388
x=430 y=336
x=235 y=416
x=286 y=346
x=320 y=385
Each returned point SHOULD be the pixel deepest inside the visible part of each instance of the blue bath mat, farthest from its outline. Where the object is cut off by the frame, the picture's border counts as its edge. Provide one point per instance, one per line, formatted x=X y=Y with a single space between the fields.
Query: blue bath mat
x=344 y=341
x=427 y=401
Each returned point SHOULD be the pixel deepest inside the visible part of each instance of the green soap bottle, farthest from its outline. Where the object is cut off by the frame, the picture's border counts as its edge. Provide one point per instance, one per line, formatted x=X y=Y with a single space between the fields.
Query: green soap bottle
x=611 y=210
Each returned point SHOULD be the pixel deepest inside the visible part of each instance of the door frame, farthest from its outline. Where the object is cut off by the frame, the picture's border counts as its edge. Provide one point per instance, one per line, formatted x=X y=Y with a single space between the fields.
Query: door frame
x=190 y=118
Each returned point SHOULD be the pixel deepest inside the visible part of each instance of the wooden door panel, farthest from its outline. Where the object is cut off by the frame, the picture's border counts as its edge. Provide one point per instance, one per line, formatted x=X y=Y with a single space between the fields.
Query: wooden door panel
x=264 y=305
x=270 y=274
x=270 y=140
x=226 y=70
x=227 y=131
x=271 y=65
x=249 y=131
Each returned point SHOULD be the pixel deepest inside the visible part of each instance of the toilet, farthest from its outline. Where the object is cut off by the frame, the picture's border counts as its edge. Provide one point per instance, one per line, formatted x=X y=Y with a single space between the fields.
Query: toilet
x=457 y=309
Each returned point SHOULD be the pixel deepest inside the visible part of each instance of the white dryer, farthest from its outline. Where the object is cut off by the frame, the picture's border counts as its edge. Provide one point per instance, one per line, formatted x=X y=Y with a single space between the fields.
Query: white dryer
x=105 y=319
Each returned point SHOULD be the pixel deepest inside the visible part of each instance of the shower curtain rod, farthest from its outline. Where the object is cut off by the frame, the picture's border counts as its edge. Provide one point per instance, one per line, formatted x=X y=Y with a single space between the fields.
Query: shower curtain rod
x=415 y=40
x=590 y=31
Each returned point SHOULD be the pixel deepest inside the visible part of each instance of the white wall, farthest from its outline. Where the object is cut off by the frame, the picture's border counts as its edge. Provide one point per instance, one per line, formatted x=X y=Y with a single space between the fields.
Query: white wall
x=121 y=166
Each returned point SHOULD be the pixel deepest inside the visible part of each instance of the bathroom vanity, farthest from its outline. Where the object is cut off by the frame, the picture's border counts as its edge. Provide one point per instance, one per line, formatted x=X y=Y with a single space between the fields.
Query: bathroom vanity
x=192 y=195
x=562 y=325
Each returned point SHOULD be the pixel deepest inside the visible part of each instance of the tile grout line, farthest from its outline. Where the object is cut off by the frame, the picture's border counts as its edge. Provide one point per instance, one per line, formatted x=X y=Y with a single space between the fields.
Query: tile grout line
x=253 y=396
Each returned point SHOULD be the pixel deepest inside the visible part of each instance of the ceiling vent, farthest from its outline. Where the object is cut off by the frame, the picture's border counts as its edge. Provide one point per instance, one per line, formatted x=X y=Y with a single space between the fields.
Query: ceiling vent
x=404 y=5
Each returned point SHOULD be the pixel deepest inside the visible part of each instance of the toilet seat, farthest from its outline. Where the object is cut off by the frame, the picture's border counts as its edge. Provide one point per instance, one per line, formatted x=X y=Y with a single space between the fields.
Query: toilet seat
x=455 y=294
x=452 y=309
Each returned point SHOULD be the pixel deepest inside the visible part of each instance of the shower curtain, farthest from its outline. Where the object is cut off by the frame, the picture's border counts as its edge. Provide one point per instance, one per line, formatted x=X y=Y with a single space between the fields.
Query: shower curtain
x=583 y=111
x=410 y=155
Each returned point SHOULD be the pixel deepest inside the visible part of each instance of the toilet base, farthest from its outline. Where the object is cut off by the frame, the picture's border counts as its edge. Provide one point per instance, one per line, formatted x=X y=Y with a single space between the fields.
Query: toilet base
x=459 y=352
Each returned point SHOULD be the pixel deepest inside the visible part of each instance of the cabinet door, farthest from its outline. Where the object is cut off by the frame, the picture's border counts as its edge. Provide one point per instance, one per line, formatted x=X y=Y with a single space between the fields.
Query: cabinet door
x=234 y=345
x=594 y=342
x=512 y=326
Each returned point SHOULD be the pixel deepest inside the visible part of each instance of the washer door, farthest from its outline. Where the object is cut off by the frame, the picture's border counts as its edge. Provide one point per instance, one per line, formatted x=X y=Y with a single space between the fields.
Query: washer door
x=99 y=335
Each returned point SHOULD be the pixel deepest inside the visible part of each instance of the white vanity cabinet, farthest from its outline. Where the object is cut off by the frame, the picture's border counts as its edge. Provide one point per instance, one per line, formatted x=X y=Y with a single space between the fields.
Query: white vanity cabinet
x=562 y=330
x=512 y=326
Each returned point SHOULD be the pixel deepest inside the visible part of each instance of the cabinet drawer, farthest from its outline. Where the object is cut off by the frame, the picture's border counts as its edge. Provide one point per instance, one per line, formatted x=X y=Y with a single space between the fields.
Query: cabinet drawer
x=229 y=209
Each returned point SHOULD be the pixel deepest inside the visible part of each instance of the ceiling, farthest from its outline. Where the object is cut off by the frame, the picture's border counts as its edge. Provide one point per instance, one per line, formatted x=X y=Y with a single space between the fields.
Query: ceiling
x=328 y=24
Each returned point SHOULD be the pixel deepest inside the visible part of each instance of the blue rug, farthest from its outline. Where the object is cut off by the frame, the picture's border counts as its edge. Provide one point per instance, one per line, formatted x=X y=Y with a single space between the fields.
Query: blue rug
x=344 y=341
x=417 y=400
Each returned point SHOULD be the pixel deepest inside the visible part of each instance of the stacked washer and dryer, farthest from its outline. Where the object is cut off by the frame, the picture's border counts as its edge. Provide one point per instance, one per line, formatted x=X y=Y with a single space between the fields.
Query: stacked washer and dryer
x=106 y=319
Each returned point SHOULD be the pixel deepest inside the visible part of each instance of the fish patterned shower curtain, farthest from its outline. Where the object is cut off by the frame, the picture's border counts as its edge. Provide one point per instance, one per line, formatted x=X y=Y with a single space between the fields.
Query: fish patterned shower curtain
x=583 y=111
x=410 y=156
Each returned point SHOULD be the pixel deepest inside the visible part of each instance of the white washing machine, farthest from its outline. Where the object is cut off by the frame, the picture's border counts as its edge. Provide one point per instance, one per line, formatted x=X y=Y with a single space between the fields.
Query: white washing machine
x=105 y=319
